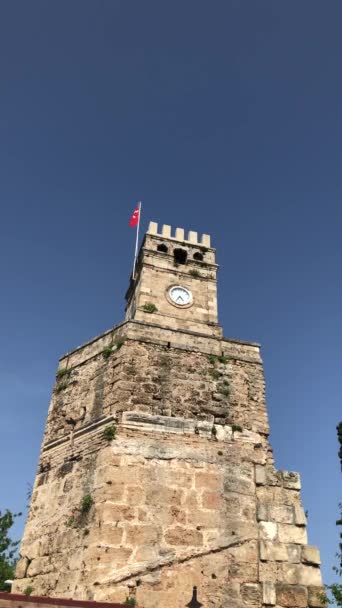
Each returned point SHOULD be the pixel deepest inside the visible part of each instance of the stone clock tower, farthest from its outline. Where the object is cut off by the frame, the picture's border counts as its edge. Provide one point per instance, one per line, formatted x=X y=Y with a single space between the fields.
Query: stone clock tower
x=156 y=473
x=177 y=276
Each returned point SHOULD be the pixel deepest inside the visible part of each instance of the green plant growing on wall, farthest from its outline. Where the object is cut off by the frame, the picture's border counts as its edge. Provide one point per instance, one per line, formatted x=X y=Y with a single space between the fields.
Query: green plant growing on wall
x=110 y=348
x=149 y=307
x=74 y=517
x=64 y=372
x=61 y=387
x=215 y=374
x=86 y=504
x=119 y=342
x=109 y=432
x=218 y=359
x=77 y=516
x=70 y=521
x=236 y=428
x=107 y=351
x=224 y=387
x=212 y=359
x=130 y=601
x=194 y=273
x=28 y=590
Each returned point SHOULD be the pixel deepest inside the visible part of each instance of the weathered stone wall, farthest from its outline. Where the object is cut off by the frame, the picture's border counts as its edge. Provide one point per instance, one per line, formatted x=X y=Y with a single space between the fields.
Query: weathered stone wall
x=150 y=377
x=15 y=600
x=185 y=494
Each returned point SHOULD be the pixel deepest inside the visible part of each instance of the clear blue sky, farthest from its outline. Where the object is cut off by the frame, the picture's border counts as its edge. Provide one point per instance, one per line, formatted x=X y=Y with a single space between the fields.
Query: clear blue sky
x=223 y=117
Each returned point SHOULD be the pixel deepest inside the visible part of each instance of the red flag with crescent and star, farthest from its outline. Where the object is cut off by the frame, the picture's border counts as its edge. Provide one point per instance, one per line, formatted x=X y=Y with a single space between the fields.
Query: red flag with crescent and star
x=135 y=217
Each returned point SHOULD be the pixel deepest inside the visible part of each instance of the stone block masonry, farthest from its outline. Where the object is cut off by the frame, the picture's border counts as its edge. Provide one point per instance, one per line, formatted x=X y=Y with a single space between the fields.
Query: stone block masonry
x=185 y=494
x=156 y=473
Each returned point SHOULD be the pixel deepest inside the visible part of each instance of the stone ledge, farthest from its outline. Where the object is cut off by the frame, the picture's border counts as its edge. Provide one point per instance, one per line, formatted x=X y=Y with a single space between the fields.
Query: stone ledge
x=166 y=424
x=140 y=421
x=87 y=428
x=153 y=326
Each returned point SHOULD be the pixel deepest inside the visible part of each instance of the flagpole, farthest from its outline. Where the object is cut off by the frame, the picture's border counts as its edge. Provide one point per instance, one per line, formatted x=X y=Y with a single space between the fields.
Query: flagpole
x=136 y=242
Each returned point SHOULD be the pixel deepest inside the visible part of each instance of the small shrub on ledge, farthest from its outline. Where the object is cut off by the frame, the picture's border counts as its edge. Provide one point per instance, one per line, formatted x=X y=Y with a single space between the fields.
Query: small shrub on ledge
x=120 y=342
x=223 y=359
x=130 y=601
x=108 y=350
x=109 y=432
x=61 y=387
x=28 y=590
x=149 y=307
x=218 y=359
x=194 y=273
x=63 y=372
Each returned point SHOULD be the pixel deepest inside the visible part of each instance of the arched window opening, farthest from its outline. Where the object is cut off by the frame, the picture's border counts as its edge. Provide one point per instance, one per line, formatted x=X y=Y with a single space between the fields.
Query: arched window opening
x=180 y=256
x=198 y=256
x=162 y=248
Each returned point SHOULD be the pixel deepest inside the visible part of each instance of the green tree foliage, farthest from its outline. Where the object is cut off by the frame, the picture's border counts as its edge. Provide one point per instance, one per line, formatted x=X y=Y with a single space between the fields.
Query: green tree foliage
x=339 y=436
x=8 y=548
x=335 y=589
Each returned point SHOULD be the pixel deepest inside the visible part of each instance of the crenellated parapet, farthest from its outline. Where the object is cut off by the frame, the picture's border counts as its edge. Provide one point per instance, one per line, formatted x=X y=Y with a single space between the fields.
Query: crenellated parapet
x=179 y=235
x=172 y=258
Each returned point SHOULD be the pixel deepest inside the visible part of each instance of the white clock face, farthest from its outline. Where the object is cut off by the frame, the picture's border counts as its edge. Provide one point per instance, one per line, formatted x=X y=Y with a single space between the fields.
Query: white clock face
x=180 y=295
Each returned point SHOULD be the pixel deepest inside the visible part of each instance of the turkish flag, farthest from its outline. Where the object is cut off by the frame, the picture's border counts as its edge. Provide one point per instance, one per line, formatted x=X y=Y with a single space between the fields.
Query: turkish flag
x=135 y=217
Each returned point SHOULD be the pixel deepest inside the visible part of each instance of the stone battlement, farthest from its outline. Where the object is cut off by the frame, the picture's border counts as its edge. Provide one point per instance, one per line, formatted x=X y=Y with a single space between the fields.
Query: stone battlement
x=179 y=235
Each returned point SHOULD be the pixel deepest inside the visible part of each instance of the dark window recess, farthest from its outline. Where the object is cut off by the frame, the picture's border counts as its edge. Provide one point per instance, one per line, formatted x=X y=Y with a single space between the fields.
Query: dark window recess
x=198 y=256
x=180 y=256
x=162 y=248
